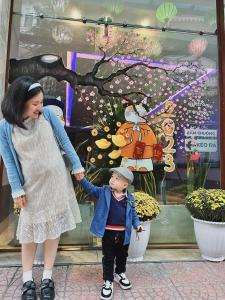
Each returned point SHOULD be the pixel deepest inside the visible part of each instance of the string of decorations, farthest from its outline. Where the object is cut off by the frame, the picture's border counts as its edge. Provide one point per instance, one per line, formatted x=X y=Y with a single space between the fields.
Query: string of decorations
x=106 y=21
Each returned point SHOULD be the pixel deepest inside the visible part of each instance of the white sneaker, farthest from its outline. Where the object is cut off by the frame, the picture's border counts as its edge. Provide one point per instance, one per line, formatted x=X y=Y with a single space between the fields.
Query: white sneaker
x=107 y=290
x=122 y=280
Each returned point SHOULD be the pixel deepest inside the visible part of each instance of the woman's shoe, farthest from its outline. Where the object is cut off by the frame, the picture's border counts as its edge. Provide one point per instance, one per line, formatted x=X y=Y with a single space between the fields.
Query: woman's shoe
x=47 y=289
x=29 y=291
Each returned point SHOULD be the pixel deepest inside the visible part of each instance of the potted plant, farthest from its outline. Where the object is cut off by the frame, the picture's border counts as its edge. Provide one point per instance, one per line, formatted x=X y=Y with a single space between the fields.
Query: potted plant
x=147 y=209
x=207 y=208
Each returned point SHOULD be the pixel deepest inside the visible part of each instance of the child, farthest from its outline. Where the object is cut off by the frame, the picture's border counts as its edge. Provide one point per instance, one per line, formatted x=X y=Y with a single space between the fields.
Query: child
x=114 y=216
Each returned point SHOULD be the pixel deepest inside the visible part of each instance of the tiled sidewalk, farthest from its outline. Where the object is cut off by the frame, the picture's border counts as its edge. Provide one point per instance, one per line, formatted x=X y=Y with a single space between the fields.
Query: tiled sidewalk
x=158 y=281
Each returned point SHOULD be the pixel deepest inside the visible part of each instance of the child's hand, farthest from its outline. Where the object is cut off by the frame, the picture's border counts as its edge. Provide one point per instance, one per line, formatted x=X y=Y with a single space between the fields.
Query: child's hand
x=79 y=176
x=21 y=201
x=139 y=228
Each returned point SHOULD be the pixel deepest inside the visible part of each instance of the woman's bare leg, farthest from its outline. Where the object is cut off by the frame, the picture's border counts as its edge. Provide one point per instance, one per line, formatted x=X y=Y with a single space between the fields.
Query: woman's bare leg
x=50 y=251
x=28 y=253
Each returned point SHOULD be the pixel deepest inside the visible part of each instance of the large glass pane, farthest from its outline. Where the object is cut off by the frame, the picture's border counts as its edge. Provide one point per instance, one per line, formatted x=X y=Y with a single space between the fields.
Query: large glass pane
x=173 y=75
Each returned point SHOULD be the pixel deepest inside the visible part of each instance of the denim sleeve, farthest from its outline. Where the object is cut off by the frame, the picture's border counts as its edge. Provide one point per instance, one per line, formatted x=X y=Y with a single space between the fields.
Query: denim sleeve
x=90 y=188
x=10 y=165
x=135 y=219
x=64 y=142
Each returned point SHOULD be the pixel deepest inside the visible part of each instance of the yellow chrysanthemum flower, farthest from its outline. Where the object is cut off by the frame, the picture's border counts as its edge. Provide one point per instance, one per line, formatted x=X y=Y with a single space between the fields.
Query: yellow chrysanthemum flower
x=146 y=206
x=89 y=149
x=100 y=156
x=207 y=204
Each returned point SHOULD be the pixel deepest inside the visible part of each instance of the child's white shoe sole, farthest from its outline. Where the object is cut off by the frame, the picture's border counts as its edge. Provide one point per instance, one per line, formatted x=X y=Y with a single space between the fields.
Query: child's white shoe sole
x=106 y=298
x=122 y=286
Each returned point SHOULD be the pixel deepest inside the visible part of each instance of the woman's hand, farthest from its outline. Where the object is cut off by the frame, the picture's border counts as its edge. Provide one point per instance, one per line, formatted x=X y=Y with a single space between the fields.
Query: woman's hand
x=21 y=201
x=79 y=176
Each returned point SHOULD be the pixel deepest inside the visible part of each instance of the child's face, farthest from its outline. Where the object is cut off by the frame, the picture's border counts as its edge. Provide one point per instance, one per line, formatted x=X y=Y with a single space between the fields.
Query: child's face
x=118 y=183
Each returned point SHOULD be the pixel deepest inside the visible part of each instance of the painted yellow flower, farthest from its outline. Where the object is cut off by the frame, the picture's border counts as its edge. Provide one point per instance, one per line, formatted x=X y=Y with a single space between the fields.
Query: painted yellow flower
x=92 y=160
x=111 y=162
x=100 y=156
x=89 y=149
x=103 y=144
x=94 y=132
x=106 y=128
x=118 y=124
x=109 y=136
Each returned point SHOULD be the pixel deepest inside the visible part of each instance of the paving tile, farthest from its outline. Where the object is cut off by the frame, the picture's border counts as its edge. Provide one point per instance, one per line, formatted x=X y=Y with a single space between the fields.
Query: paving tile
x=203 y=292
x=181 y=273
x=6 y=275
x=218 y=268
x=84 y=278
x=156 y=293
x=14 y=288
x=151 y=281
x=145 y=275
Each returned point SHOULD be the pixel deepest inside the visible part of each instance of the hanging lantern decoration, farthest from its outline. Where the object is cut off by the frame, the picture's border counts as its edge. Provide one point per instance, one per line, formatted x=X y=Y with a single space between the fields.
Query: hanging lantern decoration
x=114 y=7
x=62 y=34
x=166 y=12
x=198 y=46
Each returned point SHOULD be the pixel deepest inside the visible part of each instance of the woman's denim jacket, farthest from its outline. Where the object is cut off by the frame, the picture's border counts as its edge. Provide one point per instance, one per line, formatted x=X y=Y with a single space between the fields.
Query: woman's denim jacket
x=103 y=194
x=11 y=162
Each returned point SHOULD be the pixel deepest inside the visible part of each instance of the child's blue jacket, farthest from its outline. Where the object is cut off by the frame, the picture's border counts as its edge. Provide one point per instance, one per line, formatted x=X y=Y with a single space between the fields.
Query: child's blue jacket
x=103 y=194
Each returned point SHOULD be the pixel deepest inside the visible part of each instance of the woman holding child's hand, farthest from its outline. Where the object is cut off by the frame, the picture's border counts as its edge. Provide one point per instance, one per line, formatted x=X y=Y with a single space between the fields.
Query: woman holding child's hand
x=31 y=138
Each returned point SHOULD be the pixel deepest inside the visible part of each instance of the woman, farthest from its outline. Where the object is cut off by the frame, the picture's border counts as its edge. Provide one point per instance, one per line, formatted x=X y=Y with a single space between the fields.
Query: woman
x=30 y=140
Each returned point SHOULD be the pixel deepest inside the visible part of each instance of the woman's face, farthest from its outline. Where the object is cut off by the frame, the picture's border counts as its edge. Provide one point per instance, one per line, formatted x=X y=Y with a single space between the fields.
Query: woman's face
x=33 y=107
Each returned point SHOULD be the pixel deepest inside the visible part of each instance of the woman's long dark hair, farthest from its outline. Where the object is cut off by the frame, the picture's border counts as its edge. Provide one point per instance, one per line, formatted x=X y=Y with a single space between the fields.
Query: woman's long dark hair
x=15 y=99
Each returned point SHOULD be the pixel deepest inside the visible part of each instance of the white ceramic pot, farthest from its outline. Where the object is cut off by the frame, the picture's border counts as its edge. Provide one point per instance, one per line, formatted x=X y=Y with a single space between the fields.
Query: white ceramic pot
x=139 y=242
x=210 y=237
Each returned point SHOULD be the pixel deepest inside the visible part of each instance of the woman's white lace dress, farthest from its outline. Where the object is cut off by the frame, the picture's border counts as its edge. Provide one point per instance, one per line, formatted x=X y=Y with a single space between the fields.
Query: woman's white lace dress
x=52 y=206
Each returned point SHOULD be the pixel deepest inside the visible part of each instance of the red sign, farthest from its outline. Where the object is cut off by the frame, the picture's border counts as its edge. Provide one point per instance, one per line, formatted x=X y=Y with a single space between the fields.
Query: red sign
x=158 y=152
x=139 y=150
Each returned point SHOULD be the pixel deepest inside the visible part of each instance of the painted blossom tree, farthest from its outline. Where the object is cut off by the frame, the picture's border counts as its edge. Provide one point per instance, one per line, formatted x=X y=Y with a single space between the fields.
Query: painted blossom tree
x=127 y=73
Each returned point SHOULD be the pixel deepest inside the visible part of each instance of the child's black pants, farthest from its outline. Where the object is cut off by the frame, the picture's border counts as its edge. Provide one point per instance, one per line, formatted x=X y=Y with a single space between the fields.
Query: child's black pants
x=113 y=250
